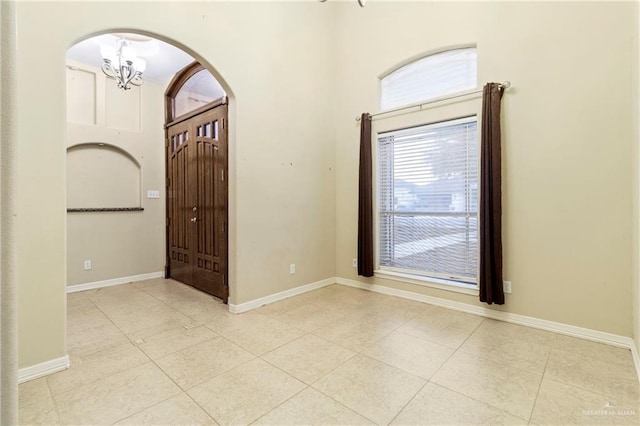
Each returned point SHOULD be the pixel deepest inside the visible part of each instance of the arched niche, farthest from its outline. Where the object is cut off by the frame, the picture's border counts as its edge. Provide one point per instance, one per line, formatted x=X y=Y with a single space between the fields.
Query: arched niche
x=102 y=176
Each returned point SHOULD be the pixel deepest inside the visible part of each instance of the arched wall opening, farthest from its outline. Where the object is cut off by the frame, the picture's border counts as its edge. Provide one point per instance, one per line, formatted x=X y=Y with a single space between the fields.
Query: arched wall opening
x=128 y=241
x=282 y=173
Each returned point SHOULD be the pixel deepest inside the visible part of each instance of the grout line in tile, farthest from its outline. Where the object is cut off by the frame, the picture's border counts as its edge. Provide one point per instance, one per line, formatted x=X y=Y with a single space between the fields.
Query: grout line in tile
x=181 y=349
x=409 y=401
x=151 y=406
x=185 y=390
x=452 y=390
x=158 y=332
x=477 y=400
x=283 y=402
x=482 y=320
x=335 y=368
x=338 y=402
x=182 y=390
x=101 y=379
x=163 y=371
x=351 y=349
x=535 y=400
x=22 y=406
x=590 y=390
x=58 y=395
x=215 y=375
x=116 y=326
x=179 y=284
x=364 y=355
x=442 y=344
x=313 y=333
x=171 y=307
x=121 y=331
x=434 y=373
x=55 y=404
x=279 y=346
x=329 y=372
x=484 y=357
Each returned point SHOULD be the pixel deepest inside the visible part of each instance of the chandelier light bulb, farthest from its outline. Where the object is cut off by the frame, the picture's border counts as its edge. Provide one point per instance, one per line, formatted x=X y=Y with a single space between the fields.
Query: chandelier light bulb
x=360 y=2
x=107 y=51
x=140 y=65
x=127 y=53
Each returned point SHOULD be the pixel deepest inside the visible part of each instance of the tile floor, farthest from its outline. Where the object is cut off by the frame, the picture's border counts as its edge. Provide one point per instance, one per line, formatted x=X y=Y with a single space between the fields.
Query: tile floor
x=159 y=352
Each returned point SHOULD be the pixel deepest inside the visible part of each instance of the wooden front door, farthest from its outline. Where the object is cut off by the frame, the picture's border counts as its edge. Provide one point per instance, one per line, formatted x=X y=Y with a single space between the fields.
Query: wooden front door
x=196 y=163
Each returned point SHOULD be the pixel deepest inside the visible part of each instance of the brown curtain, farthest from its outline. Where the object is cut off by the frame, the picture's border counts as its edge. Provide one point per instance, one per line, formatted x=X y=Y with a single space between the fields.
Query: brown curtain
x=365 y=201
x=491 y=198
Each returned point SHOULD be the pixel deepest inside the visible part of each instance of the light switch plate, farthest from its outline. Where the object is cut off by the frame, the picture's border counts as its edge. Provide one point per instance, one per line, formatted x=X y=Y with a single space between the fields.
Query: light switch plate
x=153 y=193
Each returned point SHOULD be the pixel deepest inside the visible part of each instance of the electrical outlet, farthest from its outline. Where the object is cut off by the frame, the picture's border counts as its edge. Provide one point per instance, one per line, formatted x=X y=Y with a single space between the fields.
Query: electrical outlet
x=87 y=265
x=506 y=286
x=153 y=193
x=292 y=268
x=354 y=263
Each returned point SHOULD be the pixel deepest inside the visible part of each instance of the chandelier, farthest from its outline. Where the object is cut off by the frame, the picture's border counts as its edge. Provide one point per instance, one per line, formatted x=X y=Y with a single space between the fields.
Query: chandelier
x=122 y=64
x=360 y=2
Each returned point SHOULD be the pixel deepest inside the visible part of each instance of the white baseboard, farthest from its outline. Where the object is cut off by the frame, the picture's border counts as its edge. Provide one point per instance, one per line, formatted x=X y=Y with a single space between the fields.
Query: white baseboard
x=556 y=327
x=114 y=281
x=253 y=304
x=43 y=369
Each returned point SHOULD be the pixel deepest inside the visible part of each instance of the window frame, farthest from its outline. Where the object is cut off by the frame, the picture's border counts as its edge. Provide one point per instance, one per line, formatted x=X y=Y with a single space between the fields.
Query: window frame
x=464 y=281
x=440 y=111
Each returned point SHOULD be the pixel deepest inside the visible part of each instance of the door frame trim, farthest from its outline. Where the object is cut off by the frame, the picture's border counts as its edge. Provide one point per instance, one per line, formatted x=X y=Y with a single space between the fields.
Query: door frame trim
x=173 y=88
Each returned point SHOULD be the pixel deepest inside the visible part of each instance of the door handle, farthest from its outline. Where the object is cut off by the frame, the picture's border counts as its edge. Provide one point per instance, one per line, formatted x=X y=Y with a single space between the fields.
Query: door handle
x=194 y=219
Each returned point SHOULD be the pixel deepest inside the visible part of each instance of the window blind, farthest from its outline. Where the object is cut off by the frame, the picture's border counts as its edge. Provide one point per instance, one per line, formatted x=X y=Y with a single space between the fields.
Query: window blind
x=428 y=200
x=436 y=75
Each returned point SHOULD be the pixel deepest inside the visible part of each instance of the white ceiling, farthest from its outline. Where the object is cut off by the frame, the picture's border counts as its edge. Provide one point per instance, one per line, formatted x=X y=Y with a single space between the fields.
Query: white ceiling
x=163 y=60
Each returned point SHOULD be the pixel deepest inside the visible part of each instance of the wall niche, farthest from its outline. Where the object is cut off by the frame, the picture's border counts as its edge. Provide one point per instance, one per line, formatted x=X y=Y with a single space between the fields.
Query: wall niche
x=102 y=177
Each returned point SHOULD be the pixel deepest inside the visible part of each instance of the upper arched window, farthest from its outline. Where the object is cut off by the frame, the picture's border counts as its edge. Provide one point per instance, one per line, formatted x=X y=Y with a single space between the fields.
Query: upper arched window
x=430 y=77
x=200 y=89
x=192 y=88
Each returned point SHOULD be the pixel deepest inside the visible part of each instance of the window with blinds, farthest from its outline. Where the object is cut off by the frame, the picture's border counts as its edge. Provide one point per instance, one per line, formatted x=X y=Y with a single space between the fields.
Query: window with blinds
x=428 y=200
x=431 y=77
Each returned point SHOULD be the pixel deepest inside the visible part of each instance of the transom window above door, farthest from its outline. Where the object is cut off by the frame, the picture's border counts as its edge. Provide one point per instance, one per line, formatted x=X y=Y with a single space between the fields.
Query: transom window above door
x=194 y=88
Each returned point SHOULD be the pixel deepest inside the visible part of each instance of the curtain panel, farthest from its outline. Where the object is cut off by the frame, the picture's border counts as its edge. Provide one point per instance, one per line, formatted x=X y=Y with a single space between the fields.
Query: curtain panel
x=365 y=200
x=490 y=280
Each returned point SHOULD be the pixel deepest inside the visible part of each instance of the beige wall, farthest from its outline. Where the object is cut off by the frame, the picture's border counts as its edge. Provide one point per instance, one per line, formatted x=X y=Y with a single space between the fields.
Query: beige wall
x=8 y=255
x=298 y=74
x=566 y=146
x=635 y=111
x=119 y=244
x=281 y=142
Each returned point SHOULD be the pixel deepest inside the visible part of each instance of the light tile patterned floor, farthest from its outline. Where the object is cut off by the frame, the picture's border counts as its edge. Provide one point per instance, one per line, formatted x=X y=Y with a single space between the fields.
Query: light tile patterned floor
x=159 y=352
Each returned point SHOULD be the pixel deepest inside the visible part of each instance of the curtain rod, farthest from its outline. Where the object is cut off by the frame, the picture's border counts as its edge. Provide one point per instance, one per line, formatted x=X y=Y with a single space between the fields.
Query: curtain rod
x=503 y=86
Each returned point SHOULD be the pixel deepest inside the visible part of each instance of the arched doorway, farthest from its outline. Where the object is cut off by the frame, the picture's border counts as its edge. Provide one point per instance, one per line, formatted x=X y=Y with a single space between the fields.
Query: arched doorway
x=129 y=242
x=196 y=152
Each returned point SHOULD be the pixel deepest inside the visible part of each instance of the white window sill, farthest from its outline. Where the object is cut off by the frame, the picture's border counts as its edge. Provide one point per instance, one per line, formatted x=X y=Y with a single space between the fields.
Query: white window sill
x=438 y=283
